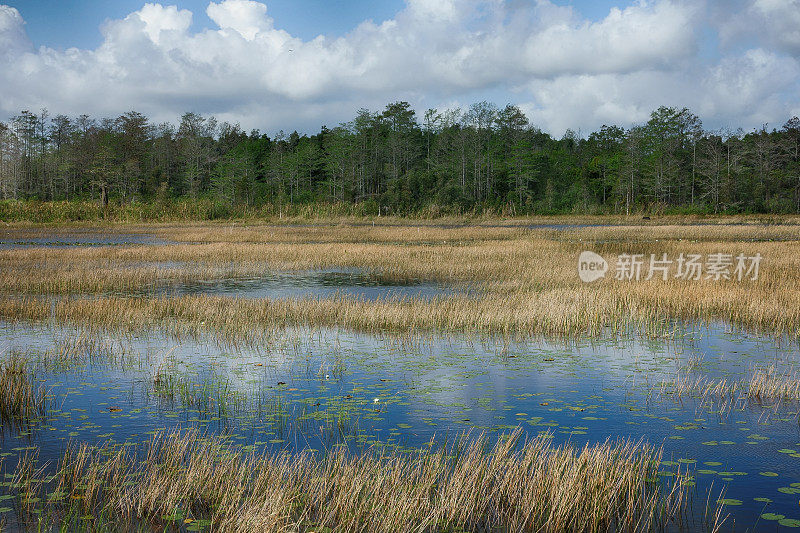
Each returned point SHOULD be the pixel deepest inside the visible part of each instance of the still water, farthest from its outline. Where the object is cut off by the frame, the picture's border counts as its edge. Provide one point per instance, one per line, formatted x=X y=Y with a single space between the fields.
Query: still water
x=279 y=285
x=318 y=388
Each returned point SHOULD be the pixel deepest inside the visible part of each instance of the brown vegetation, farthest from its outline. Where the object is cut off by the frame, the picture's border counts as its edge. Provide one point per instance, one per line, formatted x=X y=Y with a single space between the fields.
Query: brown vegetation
x=532 y=486
x=523 y=280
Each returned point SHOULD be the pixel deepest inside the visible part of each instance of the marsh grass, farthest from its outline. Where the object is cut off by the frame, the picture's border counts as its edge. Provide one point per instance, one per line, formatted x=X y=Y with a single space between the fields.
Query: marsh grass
x=83 y=348
x=764 y=386
x=80 y=349
x=21 y=400
x=180 y=478
x=238 y=321
x=79 y=212
x=335 y=423
x=215 y=394
x=770 y=383
x=524 y=280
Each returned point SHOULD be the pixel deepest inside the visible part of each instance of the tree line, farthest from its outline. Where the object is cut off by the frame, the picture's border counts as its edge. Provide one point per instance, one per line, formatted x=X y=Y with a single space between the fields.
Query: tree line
x=394 y=162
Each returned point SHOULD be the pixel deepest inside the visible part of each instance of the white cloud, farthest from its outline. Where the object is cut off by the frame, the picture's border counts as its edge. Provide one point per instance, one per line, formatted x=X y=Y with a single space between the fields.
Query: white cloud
x=158 y=19
x=750 y=85
x=626 y=40
x=571 y=71
x=772 y=22
x=434 y=10
x=782 y=19
x=747 y=90
x=13 y=39
x=245 y=17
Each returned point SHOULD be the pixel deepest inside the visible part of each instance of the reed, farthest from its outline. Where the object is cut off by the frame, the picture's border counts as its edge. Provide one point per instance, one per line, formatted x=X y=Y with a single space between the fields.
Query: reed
x=214 y=395
x=235 y=320
x=21 y=400
x=82 y=348
x=510 y=486
x=519 y=279
x=763 y=385
x=770 y=383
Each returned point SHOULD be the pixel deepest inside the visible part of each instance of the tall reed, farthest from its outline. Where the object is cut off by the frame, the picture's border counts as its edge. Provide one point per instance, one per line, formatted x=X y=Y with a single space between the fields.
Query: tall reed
x=20 y=399
x=470 y=486
x=763 y=385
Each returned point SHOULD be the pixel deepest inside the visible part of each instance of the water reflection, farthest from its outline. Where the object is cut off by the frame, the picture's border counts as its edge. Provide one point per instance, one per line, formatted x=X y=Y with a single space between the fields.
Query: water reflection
x=315 y=388
x=315 y=284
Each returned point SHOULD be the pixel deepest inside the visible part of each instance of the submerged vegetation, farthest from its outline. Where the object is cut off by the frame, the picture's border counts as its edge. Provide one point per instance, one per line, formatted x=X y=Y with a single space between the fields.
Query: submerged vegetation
x=532 y=485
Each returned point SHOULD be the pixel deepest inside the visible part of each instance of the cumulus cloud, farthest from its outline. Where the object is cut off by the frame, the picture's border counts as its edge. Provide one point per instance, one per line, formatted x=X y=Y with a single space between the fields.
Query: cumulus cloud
x=157 y=20
x=774 y=22
x=567 y=70
x=13 y=39
x=749 y=89
x=245 y=17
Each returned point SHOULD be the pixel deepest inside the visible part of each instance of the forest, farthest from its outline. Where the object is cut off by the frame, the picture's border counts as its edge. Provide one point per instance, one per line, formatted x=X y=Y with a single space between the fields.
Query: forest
x=394 y=162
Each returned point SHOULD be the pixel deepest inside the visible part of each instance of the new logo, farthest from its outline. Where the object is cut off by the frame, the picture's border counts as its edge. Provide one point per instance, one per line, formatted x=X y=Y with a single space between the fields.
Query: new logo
x=591 y=267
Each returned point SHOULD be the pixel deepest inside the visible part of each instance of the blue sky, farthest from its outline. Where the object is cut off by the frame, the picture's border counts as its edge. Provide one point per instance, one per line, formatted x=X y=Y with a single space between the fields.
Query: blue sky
x=569 y=64
x=67 y=23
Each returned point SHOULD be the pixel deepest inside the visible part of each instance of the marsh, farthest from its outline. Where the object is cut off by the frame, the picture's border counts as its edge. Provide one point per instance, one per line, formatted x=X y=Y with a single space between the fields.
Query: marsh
x=697 y=378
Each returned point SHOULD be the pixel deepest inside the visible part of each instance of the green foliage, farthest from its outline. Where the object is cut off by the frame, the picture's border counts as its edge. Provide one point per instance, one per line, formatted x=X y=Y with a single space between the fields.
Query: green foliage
x=484 y=158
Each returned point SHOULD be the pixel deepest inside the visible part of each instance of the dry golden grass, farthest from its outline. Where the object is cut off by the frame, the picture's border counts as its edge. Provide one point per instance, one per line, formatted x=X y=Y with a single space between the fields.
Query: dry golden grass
x=527 y=278
x=20 y=399
x=765 y=385
x=530 y=486
x=340 y=233
x=771 y=384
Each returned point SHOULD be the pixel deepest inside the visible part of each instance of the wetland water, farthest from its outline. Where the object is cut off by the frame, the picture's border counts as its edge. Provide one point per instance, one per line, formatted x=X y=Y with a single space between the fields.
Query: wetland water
x=319 y=388
x=66 y=239
x=303 y=284
x=28 y=238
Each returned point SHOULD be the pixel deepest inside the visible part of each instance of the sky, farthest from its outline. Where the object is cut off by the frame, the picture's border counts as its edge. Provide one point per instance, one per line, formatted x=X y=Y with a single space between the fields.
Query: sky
x=298 y=64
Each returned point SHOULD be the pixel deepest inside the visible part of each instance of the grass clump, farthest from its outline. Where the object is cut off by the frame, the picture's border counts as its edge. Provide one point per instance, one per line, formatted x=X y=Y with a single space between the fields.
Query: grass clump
x=21 y=400
x=512 y=486
x=770 y=383
x=764 y=385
